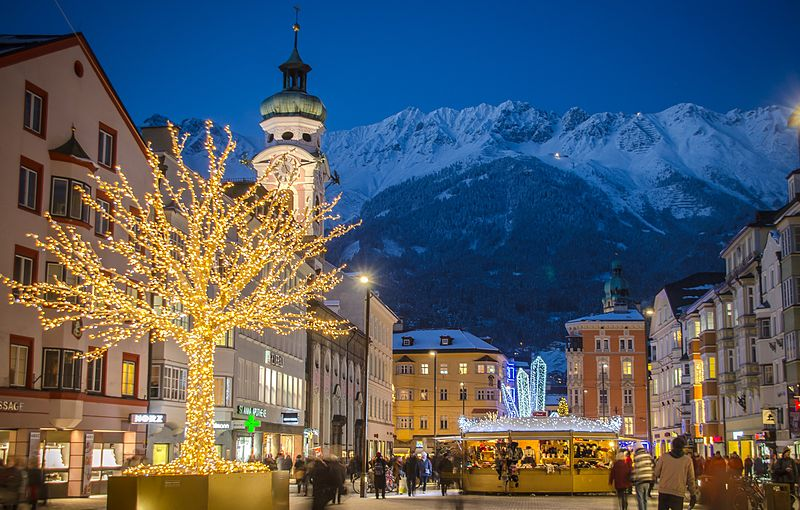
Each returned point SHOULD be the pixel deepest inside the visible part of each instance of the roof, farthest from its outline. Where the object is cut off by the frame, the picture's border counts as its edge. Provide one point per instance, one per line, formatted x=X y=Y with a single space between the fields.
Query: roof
x=630 y=315
x=682 y=293
x=705 y=298
x=505 y=424
x=430 y=340
x=405 y=359
x=11 y=43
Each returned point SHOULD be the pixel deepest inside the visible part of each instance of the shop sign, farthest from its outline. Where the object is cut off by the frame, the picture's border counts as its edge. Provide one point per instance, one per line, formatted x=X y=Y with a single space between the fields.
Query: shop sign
x=222 y=425
x=33 y=444
x=758 y=436
x=237 y=424
x=738 y=435
x=10 y=406
x=271 y=358
x=699 y=440
x=290 y=417
x=540 y=414
x=147 y=418
x=716 y=439
x=420 y=444
x=258 y=412
x=768 y=417
x=88 y=450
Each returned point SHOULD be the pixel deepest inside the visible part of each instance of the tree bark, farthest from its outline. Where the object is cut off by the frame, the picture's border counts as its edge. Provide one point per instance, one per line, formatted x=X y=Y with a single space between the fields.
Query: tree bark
x=198 y=452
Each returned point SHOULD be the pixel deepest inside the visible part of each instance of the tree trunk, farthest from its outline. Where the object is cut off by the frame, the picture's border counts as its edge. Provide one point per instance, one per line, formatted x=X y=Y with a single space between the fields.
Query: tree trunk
x=198 y=452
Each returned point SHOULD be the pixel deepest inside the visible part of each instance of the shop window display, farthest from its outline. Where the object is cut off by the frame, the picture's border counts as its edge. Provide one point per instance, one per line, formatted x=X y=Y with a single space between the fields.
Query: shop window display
x=106 y=460
x=55 y=459
x=593 y=454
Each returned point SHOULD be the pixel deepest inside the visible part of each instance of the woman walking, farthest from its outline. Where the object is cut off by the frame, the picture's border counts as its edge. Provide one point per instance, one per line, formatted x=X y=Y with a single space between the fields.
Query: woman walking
x=620 y=477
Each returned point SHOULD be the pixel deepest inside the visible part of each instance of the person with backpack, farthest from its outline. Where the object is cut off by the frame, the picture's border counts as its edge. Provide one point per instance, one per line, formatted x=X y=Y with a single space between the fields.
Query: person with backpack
x=379 y=467
x=424 y=470
x=675 y=474
x=410 y=469
x=642 y=476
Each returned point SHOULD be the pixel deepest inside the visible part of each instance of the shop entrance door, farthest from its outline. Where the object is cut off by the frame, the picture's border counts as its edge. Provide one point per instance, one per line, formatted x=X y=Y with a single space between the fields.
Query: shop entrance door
x=160 y=453
x=244 y=448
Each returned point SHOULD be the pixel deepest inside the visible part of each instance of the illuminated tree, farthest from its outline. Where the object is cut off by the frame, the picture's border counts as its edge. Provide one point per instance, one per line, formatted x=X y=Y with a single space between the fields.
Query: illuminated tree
x=238 y=262
x=563 y=407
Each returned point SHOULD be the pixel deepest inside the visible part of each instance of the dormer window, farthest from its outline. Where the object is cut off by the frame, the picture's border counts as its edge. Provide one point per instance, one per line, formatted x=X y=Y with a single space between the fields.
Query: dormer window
x=445 y=340
x=408 y=341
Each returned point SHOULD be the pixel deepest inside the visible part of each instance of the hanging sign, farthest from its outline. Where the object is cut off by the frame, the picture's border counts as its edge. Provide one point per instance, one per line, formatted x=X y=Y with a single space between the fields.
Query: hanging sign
x=768 y=417
x=147 y=418
x=290 y=417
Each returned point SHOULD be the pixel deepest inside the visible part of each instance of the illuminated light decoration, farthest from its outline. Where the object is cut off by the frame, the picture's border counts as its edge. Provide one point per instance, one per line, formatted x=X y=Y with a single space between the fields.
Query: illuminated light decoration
x=523 y=393
x=538 y=383
x=251 y=424
x=508 y=400
x=507 y=424
x=239 y=261
x=563 y=407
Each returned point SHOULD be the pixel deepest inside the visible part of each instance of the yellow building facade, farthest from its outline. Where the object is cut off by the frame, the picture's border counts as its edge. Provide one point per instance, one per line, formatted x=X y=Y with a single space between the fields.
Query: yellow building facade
x=440 y=375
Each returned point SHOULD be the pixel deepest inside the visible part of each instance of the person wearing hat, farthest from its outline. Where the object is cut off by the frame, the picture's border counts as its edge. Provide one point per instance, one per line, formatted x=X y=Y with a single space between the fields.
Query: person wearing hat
x=675 y=474
x=784 y=470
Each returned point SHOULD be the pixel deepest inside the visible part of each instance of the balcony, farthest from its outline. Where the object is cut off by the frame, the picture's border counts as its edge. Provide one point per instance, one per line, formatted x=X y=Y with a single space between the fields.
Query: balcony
x=710 y=387
x=726 y=377
x=749 y=369
x=747 y=321
x=725 y=338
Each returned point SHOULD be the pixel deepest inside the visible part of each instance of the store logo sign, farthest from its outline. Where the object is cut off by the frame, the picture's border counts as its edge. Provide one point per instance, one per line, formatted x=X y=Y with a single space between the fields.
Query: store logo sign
x=147 y=419
x=290 y=417
x=10 y=406
x=222 y=425
x=258 y=412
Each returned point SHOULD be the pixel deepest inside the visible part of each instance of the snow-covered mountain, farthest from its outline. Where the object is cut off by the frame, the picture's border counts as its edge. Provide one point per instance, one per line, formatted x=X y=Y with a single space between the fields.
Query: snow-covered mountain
x=633 y=158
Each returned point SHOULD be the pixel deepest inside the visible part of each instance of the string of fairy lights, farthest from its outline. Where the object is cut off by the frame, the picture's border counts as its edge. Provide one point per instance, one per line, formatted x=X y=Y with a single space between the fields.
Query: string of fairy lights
x=239 y=261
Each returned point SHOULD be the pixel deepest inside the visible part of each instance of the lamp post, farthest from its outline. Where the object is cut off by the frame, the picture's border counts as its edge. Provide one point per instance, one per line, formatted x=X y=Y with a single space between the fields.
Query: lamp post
x=463 y=396
x=364 y=280
x=435 y=394
x=603 y=393
x=648 y=317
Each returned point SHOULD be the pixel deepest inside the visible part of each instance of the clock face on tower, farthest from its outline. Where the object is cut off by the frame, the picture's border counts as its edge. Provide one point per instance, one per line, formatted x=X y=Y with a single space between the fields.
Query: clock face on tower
x=286 y=172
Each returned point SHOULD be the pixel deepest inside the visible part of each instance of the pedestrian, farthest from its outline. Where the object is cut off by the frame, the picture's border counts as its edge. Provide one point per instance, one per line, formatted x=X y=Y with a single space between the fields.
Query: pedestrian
x=445 y=473
x=424 y=470
x=714 y=490
x=338 y=477
x=620 y=478
x=284 y=462
x=642 y=476
x=10 y=486
x=784 y=470
x=322 y=481
x=410 y=468
x=748 y=467
x=299 y=471
x=675 y=474
x=379 y=468
x=760 y=468
x=735 y=465
x=35 y=484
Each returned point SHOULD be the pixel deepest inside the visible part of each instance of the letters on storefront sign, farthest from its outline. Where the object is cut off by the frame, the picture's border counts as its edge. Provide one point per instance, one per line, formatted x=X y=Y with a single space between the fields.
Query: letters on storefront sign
x=11 y=406
x=148 y=418
x=258 y=412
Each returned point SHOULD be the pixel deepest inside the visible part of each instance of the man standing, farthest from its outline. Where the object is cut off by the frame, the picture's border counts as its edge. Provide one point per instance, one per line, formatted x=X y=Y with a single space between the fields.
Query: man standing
x=410 y=469
x=424 y=470
x=784 y=470
x=642 y=475
x=379 y=467
x=675 y=474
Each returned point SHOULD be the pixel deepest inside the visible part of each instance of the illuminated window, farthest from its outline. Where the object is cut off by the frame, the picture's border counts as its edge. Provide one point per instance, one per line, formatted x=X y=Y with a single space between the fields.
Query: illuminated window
x=223 y=391
x=462 y=368
x=699 y=375
x=423 y=368
x=628 y=425
x=128 y=377
x=443 y=368
x=480 y=368
x=18 y=365
x=405 y=394
x=627 y=368
x=225 y=340
x=423 y=394
x=712 y=367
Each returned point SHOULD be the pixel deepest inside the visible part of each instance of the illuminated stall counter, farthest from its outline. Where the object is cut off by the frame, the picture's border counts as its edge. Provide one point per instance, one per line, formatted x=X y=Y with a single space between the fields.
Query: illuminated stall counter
x=545 y=455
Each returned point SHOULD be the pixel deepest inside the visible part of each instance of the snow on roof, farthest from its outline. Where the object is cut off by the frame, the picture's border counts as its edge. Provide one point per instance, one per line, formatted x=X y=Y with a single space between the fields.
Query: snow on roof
x=431 y=339
x=569 y=423
x=630 y=315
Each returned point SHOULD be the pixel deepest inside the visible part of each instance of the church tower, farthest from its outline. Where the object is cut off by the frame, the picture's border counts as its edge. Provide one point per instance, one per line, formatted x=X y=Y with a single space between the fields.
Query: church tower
x=293 y=122
x=617 y=295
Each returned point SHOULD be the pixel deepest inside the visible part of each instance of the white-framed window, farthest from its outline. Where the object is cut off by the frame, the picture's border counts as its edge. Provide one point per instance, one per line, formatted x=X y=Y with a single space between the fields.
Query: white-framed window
x=485 y=394
x=462 y=368
x=424 y=369
x=18 y=365
x=627 y=397
x=405 y=394
x=442 y=393
x=105 y=148
x=34 y=111
x=462 y=393
x=174 y=383
x=407 y=341
x=443 y=368
x=28 y=188
x=405 y=422
x=94 y=375
x=627 y=423
x=423 y=394
x=627 y=368
x=423 y=422
x=66 y=200
x=405 y=369
x=444 y=424
x=23 y=269
x=102 y=225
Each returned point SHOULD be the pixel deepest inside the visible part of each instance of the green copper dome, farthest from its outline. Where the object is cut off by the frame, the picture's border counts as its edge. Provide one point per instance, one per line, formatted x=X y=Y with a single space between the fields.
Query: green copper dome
x=616 y=286
x=293 y=103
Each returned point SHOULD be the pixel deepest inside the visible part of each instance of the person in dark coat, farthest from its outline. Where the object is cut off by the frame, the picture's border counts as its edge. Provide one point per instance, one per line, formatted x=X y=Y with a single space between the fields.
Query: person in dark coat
x=35 y=485
x=299 y=471
x=322 y=479
x=410 y=468
x=379 y=469
x=338 y=477
x=784 y=470
x=620 y=478
x=424 y=470
x=445 y=473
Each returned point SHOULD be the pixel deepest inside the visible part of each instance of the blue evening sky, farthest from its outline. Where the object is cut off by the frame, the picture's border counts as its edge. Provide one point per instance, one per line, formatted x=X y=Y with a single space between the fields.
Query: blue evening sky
x=371 y=59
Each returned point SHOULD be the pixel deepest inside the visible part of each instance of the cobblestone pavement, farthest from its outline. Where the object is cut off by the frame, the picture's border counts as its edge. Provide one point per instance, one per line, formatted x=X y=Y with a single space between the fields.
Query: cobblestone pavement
x=427 y=502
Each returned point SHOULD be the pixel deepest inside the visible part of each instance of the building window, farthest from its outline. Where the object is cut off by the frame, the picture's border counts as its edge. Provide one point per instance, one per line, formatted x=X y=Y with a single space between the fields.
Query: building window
x=102 y=224
x=443 y=368
x=226 y=340
x=405 y=422
x=405 y=394
x=767 y=375
x=731 y=367
x=485 y=394
x=628 y=424
x=407 y=342
x=462 y=393
x=605 y=344
x=423 y=368
x=223 y=391
x=25 y=265
x=699 y=376
x=168 y=383
x=627 y=368
x=442 y=393
x=35 y=111
x=443 y=423
x=423 y=422
x=56 y=273
x=462 y=368
x=712 y=367
x=627 y=397
x=480 y=368
x=445 y=340
x=687 y=396
x=107 y=146
x=603 y=397
x=129 y=374
x=61 y=369
x=94 y=375
x=423 y=394
x=66 y=200
x=20 y=361
x=405 y=369
x=29 y=195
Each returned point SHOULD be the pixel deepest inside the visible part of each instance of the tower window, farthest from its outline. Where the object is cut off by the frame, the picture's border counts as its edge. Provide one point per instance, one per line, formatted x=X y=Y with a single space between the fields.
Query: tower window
x=306 y=137
x=270 y=138
x=288 y=135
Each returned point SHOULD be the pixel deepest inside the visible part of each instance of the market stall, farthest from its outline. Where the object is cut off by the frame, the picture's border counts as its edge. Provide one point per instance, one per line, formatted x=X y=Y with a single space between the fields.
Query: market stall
x=565 y=454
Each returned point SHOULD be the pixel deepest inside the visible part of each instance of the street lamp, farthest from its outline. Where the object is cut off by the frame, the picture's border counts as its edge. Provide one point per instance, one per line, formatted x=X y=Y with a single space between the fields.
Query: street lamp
x=648 y=317
x=435 y=394
x=463 y=396
x=364 y=280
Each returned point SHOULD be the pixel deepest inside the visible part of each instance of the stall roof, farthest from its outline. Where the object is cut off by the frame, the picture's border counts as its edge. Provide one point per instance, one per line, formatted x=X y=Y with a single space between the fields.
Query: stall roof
x=576 y=424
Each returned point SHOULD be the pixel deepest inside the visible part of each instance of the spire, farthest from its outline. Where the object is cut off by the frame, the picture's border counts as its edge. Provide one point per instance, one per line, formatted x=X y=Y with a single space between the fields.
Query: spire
x=296 y=26
x=294 y=69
